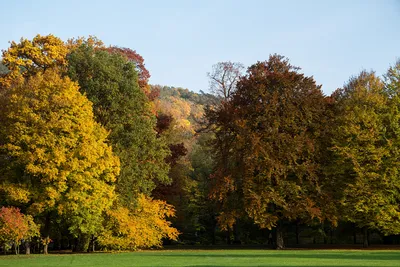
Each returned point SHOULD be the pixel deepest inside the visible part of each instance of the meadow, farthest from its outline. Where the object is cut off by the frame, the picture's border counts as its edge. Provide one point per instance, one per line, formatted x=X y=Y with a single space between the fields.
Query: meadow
x=216 y=258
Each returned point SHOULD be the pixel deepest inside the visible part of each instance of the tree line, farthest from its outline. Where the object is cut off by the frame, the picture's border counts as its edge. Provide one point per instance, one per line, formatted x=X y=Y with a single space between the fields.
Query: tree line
x=78 y=147
x=285 y=152
x=93 y=157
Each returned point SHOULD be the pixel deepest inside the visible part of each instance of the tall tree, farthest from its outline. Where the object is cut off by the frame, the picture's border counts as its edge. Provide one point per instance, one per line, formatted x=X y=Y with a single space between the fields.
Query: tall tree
x=365 y=147
x=271 y=121
x=54 y=157
x=110 y=81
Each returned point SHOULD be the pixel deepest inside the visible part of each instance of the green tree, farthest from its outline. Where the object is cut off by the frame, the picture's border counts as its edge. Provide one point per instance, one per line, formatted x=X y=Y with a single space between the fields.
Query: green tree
x=365 y=147
x=110 y=81
x=54 y=158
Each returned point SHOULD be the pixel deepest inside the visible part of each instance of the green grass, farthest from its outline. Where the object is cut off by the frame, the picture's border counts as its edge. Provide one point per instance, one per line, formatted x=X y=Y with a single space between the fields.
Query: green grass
x=217 y=258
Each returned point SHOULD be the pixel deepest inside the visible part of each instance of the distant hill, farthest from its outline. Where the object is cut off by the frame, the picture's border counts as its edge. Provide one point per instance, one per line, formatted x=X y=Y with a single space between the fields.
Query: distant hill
x=201 y=98
x=185 y=106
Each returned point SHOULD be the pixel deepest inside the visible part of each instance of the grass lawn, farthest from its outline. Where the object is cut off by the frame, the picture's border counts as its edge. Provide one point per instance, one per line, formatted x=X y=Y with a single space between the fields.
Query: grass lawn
x=218 y=258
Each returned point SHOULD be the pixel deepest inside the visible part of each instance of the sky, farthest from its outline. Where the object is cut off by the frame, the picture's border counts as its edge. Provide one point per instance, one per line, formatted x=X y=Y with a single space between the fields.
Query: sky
x=330 y=40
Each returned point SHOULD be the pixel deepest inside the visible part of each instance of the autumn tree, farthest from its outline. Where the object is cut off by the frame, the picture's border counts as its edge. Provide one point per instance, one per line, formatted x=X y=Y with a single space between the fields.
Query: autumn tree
x=78 y=172
x=15 y=226
x=365 y=147
x=137 y=60
x=142 y=227
x=29 y=57
x=270 y=123
x=110 y=81
x=223 y=81
x=54 y=158
x=223 y=78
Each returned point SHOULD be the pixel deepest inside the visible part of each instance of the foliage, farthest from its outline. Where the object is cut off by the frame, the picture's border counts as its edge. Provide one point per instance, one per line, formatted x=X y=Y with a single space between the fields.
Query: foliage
x=268 y=149
x=201 y=98
x=54 y=156
x=29 y=57
x=137 y=60
x=365 y=146
x=109 y=80
x=265 y=146
x=143 y=227
x=15 y=226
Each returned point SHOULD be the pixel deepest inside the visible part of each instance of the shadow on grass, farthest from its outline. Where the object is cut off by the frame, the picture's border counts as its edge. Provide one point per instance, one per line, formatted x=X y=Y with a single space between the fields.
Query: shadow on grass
x=365 y=256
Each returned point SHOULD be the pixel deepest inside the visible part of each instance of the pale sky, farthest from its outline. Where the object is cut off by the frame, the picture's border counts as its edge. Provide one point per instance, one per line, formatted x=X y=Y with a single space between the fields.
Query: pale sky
x=181 y=40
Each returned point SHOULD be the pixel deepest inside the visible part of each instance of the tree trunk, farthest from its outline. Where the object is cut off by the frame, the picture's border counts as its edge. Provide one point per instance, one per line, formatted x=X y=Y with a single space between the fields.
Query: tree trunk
x=92 y=244
x=228 y=236
x=213 y=238
x=279 y=243
x=297 y=233
x=82 y=243
x=16 y=248
x=27 y=247
x=236 y=235
x=47 y=234
x=365 y=237
x=355 y=235
x=46 y=249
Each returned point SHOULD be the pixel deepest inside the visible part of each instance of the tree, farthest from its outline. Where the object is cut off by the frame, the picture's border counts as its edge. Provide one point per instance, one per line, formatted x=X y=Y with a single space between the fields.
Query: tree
x=15 y=226
x=144 y=228
x=269 y=128
x=29 y=57
x=137 y=60
x=54 y=158
x=223 y=78
x=110 y=81
x=223 y=81
x=365 y=149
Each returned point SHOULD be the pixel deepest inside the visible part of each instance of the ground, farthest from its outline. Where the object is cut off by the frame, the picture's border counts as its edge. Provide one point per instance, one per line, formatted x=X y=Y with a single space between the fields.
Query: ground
x=216 y=258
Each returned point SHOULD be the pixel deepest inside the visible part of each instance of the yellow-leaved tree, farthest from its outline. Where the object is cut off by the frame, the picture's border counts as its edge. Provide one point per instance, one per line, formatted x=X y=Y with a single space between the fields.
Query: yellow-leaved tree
x=54 y=157
x=146 y=227
x=55 y=162
x=31 y=56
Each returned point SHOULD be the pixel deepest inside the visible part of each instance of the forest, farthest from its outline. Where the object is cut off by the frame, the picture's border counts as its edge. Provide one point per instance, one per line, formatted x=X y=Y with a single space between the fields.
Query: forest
x=94 y=157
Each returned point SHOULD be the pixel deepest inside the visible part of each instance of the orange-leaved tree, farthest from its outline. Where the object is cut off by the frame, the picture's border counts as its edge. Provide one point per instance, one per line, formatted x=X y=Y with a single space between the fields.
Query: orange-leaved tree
x=15 y=227
x=271 y=162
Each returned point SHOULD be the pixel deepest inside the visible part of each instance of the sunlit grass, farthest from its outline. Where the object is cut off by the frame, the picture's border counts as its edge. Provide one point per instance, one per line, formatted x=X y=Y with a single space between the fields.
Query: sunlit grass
x=217 y=258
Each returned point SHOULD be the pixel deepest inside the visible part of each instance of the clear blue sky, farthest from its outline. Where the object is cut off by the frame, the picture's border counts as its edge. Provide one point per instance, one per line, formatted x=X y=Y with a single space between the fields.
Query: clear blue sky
x=180 y=40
